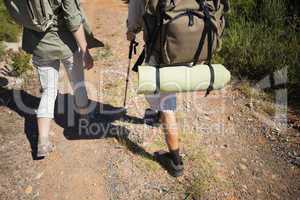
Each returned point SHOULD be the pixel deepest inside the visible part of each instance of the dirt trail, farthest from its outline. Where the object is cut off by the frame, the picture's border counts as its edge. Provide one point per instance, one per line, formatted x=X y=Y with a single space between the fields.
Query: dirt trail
x=75 y=169
x=226 y=152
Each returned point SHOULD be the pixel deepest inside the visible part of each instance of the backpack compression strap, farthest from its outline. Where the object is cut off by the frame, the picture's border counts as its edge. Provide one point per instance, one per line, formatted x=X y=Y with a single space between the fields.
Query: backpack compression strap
x=139 y=61
x=207 y=31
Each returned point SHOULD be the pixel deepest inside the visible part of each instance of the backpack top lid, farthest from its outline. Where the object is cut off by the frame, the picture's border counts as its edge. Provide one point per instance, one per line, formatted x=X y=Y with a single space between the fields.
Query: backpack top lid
x=36 y=15
x=181 y=5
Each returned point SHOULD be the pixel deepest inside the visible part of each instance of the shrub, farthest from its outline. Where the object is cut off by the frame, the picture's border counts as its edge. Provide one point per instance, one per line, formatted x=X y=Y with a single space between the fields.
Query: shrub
x=261 y=38
x=21 y=63
x=2 y=51
x=9 y=30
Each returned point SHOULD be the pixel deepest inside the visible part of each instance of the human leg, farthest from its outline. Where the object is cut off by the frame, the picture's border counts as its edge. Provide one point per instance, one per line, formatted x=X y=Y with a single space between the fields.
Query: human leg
x=48 y=75
x=75 y=71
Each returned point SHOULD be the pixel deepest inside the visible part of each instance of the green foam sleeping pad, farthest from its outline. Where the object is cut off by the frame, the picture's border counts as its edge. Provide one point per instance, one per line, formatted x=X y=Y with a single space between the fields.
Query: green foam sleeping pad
x=181 y=78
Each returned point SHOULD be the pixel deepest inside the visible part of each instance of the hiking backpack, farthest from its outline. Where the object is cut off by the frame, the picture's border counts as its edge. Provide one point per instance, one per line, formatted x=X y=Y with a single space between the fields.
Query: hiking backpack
x=37 y=15
x=180 y=32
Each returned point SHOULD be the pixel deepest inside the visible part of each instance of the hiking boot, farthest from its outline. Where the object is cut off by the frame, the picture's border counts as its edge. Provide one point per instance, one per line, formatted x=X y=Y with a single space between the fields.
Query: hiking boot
x=44 y=150
x=165 y=160
x=152 y=117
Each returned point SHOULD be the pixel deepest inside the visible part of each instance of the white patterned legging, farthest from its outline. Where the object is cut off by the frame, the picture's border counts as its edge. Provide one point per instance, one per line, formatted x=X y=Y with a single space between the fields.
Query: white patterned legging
x=48 y=74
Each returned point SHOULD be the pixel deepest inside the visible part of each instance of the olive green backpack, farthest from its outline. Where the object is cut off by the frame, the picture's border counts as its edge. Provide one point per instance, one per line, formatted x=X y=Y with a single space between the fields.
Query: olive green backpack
x=183 y=31
x=37 y=15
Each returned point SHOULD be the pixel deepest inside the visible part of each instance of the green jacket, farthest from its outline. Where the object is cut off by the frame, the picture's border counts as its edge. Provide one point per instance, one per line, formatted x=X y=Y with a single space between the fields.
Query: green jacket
x=58 y=42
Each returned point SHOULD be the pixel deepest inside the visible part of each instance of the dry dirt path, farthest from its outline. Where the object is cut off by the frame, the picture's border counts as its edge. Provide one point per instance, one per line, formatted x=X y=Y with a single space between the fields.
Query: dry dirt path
x=75 y=170
x=226 y=153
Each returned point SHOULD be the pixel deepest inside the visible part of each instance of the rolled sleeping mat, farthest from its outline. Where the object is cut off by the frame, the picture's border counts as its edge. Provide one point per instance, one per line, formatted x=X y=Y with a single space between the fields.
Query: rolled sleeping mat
x=181 y=78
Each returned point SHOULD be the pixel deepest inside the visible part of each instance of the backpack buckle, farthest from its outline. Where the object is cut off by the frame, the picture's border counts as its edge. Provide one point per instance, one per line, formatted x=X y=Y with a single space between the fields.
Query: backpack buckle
x=191 y=17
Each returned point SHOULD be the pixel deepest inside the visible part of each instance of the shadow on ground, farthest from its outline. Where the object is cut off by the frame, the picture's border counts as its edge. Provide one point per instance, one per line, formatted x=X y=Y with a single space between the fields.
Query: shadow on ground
x=99 y=127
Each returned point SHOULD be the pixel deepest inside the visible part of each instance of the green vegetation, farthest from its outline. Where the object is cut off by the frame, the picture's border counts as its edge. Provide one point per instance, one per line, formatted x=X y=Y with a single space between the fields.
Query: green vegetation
x=21 y=63
x=103 y=53
x=262 y=36
x=202 y=176
x=9 y=30
x=2 y=51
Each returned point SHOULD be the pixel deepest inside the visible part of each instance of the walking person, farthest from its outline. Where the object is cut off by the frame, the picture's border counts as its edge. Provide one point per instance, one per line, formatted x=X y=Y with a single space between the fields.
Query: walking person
x=162 y=106
x=177 y=34
x=64 y=42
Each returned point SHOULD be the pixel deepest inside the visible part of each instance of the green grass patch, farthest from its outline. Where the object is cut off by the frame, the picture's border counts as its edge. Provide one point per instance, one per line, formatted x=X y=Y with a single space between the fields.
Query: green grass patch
x=252 y=93
x=158 y=143
x=2 y=51
x=9 y=30
x=145 y=159
x=147 y=165
x=202 y=177
x=103 y=53
x=20 y=63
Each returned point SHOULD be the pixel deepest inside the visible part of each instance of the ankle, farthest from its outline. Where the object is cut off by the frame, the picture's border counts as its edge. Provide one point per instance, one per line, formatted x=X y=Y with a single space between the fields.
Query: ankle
x=175 y=156
x=43 y=140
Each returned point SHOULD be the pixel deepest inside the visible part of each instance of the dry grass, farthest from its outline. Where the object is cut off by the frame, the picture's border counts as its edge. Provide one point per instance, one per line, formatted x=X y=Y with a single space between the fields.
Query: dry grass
x=147 y=165
x=261 y=101
x=202 y=177
x=103 y=53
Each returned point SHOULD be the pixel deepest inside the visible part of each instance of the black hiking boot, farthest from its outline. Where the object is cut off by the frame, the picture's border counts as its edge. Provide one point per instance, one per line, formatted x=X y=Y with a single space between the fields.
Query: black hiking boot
x=152 y=117
x=165 y=160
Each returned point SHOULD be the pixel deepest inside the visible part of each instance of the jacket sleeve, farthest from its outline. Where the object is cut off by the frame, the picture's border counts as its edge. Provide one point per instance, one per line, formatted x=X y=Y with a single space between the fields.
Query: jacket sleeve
x=72 y=15
x=136 y=10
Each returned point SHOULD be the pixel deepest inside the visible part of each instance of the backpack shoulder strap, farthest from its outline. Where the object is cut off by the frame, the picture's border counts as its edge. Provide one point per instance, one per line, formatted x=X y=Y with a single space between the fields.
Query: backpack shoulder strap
x=160 y=8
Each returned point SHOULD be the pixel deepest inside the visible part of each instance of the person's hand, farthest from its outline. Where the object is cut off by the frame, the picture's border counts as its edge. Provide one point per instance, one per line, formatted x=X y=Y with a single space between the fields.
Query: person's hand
x=88 y=61
x=130 y=36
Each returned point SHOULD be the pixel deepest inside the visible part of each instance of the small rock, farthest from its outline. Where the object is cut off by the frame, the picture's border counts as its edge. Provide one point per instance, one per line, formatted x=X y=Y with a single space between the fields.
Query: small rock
x=36 y=195
x=242 y=166
x=39 y=175
x=230 y=118
x=271 y=138
x=244 y=160
x=296 y=161
x=249 y=105
x=291 y=155
x=295 y=154
x=275 y=195
x=245 y=187
x=28 y=190
x=276 y=131
x=258 y=191
x=273 y=176
x=163 y=189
